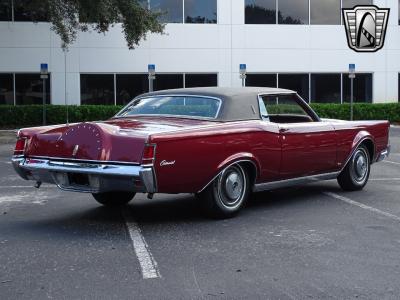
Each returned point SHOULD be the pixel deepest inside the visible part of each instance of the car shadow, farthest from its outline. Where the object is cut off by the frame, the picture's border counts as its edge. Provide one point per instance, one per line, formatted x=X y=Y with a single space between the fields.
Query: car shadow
x=105 y=221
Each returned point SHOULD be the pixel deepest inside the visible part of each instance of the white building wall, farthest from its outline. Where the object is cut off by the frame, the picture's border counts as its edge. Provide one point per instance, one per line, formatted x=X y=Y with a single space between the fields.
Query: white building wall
x=212 y=48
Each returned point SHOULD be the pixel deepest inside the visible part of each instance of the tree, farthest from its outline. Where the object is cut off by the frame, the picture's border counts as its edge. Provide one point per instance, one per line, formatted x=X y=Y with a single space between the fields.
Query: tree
x=68 y=17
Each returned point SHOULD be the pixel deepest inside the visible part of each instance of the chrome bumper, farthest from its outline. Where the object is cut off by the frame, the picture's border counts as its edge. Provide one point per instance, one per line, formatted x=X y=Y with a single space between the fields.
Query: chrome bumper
x=92 y=178
x=383 y=154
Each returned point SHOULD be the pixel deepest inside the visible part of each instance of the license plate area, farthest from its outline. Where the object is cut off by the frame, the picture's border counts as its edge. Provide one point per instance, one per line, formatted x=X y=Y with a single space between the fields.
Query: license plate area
x=77 y=179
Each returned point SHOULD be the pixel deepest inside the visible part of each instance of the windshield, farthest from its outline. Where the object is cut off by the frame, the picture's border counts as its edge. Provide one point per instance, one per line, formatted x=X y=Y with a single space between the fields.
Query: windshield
x=169 y=105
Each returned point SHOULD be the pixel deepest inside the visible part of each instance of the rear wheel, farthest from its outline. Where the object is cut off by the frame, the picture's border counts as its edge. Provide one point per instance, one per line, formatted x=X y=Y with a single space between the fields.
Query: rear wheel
x=114 y=199
x=225 y=196
x=356 y=173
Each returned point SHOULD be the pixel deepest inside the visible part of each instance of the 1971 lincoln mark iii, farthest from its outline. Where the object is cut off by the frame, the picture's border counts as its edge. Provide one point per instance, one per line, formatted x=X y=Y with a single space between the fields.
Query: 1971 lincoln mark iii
x=220 y=144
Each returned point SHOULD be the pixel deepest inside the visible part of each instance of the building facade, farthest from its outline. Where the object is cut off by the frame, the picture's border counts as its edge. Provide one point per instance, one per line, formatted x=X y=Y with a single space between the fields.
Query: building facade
x=295 y=44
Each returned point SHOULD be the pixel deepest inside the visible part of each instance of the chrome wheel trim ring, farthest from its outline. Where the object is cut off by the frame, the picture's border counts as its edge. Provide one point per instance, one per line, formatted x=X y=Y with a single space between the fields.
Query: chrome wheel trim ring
x=231 y=186
x=360 y=166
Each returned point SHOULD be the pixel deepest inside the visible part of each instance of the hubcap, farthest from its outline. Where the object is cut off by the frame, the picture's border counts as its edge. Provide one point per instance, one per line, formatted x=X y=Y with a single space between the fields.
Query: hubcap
x=360 y=165
x=231 y=186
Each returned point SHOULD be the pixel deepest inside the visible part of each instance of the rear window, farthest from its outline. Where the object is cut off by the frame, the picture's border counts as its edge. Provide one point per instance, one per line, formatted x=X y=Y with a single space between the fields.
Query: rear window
x=186 y=106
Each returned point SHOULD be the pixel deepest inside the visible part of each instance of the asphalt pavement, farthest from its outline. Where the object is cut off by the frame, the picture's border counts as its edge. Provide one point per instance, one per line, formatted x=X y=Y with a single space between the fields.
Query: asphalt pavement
x=309 y=242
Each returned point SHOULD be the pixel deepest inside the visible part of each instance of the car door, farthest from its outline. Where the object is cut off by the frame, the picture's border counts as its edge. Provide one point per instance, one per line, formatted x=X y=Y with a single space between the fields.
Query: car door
x=308 y=145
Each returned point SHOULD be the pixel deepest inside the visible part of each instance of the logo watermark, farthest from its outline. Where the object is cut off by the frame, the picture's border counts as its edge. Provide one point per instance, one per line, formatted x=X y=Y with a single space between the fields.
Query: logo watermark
x=366 y=27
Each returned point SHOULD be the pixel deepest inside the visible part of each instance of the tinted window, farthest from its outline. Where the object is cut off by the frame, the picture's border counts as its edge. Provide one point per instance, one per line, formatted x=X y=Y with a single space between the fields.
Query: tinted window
x=352 y=3
x=5 y=10
x=295 y=82
x=129 y=86
x=24 y=11
x=204 y=11
x=260 y=11
x=97 y=89
x=293 y=11
x=264 y=80
x=174 y=106
x=362 y=88
x=200 y=80
x=29 y=89
x=325 y=12
x=168 y=81
x=6 y=89
x=325 y=88
x=172 y=9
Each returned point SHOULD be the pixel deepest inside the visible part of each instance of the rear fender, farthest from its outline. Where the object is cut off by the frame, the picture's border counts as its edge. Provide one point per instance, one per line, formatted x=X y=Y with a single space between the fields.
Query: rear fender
x=361 y=137
x=234 y=159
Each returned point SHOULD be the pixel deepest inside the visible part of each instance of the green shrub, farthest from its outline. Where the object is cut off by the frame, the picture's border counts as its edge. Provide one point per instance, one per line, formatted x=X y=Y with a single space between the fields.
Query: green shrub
x=31 y=115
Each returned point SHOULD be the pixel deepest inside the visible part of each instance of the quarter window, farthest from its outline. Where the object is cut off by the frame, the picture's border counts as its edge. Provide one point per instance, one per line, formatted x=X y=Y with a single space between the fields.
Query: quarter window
x=283 y=109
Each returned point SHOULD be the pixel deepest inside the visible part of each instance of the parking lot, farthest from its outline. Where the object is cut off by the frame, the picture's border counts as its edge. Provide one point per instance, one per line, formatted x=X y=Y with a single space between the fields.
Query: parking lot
x=314 y=241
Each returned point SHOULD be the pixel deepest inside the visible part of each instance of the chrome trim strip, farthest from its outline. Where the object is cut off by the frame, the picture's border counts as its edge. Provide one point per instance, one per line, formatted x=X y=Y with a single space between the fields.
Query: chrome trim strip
x=354 y=150
x=84 y=160
x=219 y=173
x=172 y=95
x=293 y=181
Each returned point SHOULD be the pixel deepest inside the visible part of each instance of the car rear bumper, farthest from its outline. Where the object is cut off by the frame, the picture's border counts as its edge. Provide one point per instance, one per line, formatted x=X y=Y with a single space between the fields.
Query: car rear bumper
x=383 y=154
x=87 y=177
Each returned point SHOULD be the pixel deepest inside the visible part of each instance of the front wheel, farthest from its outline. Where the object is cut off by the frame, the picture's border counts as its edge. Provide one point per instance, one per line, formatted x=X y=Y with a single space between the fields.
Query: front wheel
x=356 y=173
x=114 y=199
x=225 y=196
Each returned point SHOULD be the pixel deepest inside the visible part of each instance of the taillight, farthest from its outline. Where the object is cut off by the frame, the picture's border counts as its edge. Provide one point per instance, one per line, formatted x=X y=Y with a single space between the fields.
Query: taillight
x=149 y=154
x=20 y=146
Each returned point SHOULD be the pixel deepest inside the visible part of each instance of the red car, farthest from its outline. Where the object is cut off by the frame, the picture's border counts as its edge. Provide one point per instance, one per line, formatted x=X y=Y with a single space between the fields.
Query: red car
x=220 y=144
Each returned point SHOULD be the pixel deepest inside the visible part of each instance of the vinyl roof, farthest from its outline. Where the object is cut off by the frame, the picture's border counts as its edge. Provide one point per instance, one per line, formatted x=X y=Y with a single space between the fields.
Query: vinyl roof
x=237 y=103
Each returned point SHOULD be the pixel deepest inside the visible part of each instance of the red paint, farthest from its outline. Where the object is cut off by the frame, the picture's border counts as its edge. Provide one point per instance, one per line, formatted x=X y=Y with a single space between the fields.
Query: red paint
x=199 y=149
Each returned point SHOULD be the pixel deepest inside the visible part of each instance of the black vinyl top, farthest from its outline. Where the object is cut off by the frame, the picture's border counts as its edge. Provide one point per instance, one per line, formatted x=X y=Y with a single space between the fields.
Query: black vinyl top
x=237 y=103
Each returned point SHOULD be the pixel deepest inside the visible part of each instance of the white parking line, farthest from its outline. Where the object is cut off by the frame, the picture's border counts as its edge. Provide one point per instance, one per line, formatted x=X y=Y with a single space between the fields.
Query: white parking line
x=26 y=186
x=355 y=203
x=147 y=262
x=391 y=162
x=384 y=179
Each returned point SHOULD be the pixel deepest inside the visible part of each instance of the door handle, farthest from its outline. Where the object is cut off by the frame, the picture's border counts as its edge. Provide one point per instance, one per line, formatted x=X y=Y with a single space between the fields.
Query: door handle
x=283 y=129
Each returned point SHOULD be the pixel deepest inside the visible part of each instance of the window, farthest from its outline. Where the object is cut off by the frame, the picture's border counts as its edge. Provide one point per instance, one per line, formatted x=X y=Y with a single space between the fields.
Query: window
x=189 y=106
x=325 y=12
x=172 y=10
x=5 y=10
x=29 y=89
x=264 y=80
x=260 y=11
x=362 y=88
x=200 y=80
x=129 y=86
x=293 y=11
x=6 y=89
x=352 y=3
x=325 y=88
x=284 y=109
x=168 y=81
x=204 y=11
x=97 y=89
x=295 y=82
x=23 y=11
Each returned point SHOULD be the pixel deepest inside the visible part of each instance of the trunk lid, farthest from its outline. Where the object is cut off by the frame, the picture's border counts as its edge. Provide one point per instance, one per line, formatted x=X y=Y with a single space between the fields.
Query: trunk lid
x=116 y=140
